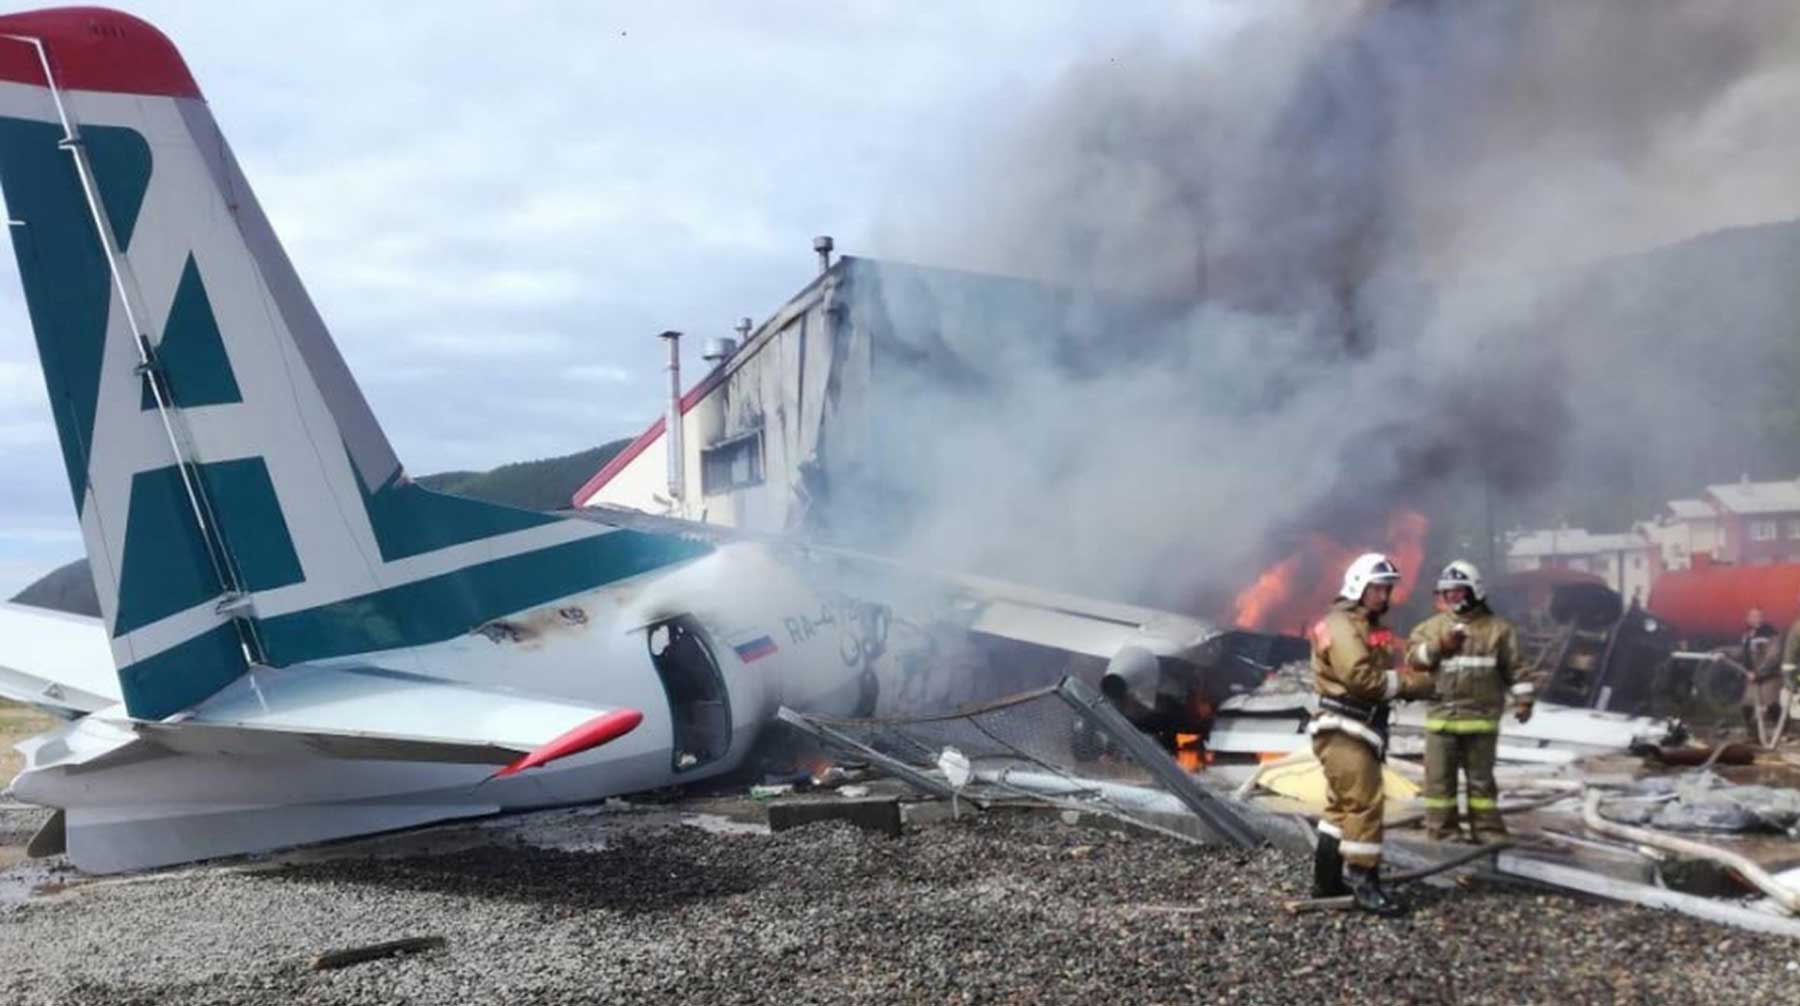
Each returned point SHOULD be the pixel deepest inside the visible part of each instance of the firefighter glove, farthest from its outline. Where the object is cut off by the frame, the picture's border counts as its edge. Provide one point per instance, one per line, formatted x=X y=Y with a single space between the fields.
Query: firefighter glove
x=1451 y=642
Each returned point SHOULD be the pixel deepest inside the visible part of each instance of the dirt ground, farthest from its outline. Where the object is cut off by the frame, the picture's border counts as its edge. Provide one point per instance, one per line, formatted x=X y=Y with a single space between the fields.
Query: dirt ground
x=17 y=722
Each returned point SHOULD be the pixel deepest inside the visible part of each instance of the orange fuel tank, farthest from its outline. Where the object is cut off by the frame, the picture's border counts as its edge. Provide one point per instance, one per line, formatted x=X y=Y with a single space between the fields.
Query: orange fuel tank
x=1709 y=602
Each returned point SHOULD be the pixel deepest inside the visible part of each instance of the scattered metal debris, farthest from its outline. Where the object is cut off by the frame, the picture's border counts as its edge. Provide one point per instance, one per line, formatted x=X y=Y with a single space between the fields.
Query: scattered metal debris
x=1040 y=745
x=375 y=951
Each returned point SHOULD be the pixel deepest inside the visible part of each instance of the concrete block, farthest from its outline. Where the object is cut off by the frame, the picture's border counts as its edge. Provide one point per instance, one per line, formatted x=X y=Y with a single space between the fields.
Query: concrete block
x=879 y=814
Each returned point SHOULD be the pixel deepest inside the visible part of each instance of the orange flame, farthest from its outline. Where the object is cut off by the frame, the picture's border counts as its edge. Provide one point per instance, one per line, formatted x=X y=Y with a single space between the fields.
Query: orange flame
x=1271 y=590
x=1284 y=597
x=1406 y=530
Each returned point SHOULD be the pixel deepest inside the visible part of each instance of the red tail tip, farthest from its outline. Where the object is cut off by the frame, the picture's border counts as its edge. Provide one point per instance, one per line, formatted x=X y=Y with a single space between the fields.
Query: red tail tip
x=93 y=49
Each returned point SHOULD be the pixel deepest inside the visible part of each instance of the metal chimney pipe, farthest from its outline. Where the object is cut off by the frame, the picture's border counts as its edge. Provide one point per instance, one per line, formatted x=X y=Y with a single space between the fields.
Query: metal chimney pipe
x=822 y=244
x=672 y=423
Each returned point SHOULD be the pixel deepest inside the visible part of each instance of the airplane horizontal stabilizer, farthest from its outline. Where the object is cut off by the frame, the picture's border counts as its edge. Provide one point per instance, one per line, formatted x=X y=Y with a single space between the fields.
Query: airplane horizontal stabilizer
x=377 y=713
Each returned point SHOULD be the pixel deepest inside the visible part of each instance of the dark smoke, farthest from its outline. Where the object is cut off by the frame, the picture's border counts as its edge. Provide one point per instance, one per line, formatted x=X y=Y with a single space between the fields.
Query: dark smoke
x=1400 y=255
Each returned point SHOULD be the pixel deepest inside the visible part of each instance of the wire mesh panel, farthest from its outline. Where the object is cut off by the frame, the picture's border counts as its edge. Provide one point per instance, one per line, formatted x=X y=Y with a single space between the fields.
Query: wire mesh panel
x=1060 y=745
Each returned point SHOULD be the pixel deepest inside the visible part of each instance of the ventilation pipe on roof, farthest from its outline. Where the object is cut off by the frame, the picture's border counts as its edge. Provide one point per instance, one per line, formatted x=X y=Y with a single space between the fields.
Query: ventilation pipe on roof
x=822 y=244
x=672 y=424
x=718 y=351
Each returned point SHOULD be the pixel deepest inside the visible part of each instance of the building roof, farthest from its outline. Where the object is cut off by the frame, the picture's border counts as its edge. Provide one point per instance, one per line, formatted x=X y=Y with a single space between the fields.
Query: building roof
x=1573 y=541
x=1624 y=541
x=1758 y=497
x=1691 y=509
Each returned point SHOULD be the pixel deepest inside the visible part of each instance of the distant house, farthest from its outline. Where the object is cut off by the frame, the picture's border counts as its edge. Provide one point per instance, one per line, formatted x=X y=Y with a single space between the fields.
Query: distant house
x=1686 y=528
x=1629 y=562
x=1759 y=522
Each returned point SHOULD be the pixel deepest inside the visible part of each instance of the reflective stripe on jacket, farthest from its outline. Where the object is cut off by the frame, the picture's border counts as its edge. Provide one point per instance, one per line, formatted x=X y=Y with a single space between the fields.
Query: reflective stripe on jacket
x=1353 y=658
x=1474 y=684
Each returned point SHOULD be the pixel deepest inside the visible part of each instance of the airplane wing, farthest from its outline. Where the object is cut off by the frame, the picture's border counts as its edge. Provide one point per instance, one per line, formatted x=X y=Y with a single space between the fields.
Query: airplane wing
x=58 y=662
x=1147 y=651
x=1077 y=624
x=1081 y=625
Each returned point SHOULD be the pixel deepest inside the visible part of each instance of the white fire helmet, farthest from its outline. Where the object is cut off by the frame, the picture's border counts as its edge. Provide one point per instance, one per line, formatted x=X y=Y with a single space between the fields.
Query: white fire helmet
x=1462 y=573
x=1370 y=567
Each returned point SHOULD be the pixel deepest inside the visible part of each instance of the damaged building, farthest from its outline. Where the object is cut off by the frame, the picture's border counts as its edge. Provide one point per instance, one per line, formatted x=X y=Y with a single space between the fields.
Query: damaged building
x=829 y=417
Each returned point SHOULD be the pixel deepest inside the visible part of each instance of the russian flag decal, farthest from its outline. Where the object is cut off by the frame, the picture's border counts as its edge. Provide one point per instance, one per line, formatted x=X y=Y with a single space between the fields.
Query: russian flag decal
x=755 y=649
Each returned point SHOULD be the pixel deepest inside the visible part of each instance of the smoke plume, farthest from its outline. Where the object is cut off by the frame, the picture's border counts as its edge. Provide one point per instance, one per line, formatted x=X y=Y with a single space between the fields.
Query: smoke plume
x=1404 y=254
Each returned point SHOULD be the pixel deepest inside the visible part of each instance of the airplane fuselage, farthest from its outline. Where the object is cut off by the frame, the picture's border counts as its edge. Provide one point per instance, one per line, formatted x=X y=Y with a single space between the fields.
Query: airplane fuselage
x=707 y=651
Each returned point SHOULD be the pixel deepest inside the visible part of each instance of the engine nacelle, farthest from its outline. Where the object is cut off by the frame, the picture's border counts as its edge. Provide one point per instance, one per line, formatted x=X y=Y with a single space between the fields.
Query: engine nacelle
x=1132 y=678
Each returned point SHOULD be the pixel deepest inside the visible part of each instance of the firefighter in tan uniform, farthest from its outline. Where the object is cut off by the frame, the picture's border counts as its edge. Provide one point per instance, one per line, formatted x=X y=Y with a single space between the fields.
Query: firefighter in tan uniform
x=1756 y=653
x=1356 y=669
x=1790 y=663
x=1473 y=655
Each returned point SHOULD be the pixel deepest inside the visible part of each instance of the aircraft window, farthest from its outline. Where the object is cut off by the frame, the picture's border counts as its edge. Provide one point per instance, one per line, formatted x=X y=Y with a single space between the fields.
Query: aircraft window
x=699 y=706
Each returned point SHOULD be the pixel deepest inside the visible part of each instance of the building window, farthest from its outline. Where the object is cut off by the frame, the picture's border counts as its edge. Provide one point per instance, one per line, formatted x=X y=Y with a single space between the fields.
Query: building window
x=1793 y=528
x=735 y=463
x=1762 y=530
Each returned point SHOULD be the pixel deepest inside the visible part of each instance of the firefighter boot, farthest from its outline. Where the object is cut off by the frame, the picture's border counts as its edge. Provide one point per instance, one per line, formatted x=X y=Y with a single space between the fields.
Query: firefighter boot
x=1365 y=887
x=1328 y=869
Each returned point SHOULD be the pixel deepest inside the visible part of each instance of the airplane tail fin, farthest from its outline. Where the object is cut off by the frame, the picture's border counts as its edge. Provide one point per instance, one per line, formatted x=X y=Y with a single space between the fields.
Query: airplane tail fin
x=238 y=501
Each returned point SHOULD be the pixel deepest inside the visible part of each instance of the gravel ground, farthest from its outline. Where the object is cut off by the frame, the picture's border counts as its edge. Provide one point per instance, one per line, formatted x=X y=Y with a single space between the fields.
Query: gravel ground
x=1002 y=909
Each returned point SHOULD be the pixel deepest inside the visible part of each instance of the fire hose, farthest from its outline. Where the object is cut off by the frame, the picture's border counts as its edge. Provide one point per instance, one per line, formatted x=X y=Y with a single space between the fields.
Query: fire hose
x=1786 y=897
x=1301 y=905
x=1766 y=736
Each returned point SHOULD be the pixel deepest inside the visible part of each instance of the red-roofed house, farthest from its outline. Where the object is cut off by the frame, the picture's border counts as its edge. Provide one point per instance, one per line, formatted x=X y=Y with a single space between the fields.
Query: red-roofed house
x=1759 y=522
x=1686 y=528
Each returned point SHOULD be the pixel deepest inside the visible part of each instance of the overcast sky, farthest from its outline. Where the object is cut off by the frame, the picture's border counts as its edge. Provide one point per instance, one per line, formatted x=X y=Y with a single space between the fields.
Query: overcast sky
x=497 y=207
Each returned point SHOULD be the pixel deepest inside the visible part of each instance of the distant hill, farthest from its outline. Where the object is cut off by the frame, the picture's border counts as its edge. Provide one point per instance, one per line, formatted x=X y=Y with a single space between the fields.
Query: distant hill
x=535 y=485
x=65 y=588
x=546 y=484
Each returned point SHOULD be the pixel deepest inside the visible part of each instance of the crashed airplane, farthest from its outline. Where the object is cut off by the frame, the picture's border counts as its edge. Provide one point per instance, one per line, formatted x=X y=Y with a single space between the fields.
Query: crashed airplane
x=306 y=645
x=297 y=643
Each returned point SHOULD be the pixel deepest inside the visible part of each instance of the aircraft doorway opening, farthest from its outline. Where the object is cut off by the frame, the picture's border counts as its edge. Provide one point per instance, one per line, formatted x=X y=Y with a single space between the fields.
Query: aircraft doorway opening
x=699 y=706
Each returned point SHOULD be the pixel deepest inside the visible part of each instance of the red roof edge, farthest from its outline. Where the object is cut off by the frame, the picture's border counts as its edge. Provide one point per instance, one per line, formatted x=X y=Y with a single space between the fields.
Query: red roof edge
x=612 y=468
x=94 y=49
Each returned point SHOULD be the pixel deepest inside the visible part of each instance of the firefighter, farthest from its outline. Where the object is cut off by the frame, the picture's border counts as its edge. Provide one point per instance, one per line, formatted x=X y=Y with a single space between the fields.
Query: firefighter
x=1756 y=652
x=1357 y=673
x=1473 y=657
x=1790 y=661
